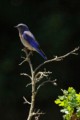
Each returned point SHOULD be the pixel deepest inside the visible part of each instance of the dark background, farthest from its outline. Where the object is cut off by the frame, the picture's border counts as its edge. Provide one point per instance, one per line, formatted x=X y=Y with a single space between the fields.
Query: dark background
x=56 y=25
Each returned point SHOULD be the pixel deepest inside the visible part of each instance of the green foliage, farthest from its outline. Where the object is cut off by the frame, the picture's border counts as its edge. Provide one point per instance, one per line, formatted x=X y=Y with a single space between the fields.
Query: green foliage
x=70 y=103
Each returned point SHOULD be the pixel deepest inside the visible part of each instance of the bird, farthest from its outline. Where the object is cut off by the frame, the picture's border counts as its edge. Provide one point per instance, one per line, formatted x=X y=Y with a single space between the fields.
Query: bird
x=28 y=40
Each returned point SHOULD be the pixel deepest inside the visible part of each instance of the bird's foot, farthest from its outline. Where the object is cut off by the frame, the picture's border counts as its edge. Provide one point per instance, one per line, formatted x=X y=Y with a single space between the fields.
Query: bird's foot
x=28 y=54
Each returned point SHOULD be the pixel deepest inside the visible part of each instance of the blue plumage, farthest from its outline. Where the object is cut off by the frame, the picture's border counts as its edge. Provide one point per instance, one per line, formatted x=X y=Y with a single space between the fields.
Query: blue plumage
x=31 y=40
x=28 y=39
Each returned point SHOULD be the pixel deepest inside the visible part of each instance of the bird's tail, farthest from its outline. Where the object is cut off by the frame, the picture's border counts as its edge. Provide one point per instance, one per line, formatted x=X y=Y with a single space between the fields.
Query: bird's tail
x=42 y=54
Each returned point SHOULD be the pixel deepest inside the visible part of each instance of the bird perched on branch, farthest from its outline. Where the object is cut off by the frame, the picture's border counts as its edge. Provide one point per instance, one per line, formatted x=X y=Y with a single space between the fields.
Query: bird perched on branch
x=28 y=39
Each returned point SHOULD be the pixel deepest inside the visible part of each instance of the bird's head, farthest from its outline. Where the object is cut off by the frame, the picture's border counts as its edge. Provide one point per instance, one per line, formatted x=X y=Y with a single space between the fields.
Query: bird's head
x=22 y=27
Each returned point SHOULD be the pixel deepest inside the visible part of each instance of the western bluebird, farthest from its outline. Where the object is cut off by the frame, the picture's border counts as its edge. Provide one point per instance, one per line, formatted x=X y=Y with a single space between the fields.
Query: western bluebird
x=28 y=39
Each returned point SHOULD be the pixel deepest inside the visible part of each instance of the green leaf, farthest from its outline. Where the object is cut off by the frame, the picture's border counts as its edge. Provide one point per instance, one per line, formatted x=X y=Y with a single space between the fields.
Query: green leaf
x=69 y=101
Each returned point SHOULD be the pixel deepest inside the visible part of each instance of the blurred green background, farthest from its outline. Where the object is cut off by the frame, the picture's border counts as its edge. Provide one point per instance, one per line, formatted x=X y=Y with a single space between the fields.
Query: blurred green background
x=56 y=25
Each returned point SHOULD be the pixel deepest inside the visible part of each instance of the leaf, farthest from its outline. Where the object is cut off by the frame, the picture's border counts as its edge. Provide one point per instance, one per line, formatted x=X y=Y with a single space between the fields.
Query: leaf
x=70 y=102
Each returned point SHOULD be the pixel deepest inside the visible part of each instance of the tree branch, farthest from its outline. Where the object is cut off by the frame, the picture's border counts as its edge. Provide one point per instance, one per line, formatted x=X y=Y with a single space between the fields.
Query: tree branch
x=29 y=84
x=48 y=81
x=56 y=58
x=33 y=92
x=26 y=101
x=41 y=75
x=35 y=77
x=27 y=59
x=26 y=75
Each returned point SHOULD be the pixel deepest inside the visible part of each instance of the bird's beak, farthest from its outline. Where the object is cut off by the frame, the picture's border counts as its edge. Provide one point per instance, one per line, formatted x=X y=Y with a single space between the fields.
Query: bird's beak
x=15 y=26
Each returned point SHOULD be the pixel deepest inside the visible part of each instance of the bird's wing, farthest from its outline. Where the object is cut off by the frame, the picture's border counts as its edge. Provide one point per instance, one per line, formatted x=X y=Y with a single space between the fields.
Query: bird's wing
x=28 y=36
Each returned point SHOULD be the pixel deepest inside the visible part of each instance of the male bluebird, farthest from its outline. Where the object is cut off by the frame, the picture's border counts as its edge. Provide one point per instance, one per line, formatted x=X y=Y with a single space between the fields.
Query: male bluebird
x=28 y=39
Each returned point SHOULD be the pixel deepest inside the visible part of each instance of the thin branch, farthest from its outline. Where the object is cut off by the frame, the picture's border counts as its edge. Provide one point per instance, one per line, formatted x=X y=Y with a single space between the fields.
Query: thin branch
x=26 y=101
x=56 y=58
x=28 y=84
x=38 y=112
x=26 y=59
x=27 y=56
x=48 y=81
x=37 y=117
x=26 y=75
x=40 y=75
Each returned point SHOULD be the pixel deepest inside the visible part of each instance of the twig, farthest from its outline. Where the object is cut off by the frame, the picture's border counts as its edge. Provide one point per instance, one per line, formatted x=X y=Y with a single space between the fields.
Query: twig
x=37 y=112
x=26 y=59
x=40 y=75
x=28 y=84
x=37 y=117
x=56 y=58
x=26 y=101
x=27 y=55
x=48 y=81
x=26 y=75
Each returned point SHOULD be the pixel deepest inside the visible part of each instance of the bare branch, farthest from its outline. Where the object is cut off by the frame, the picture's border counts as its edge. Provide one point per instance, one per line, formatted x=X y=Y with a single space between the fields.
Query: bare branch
x=26 y=101
x=56 y=58
x=26 y=59
x=26 y=52
x=26 y=75
x=23 y=57
x=48 y=81
x=27 y=56
x=35 y=77
x=40 y=75
x=28 y=84
x=37 y=112
x=37 y=117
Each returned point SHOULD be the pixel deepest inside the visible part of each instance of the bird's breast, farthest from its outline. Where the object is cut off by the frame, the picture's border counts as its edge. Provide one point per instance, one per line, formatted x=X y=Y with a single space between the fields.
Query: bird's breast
x=26 y=44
